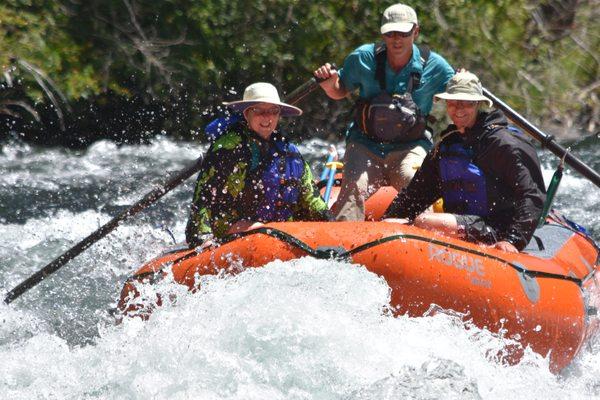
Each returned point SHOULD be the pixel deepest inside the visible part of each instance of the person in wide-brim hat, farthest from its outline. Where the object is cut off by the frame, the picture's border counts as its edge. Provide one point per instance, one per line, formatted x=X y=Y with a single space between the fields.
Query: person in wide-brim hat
x=262 y=108
x=262 y=92
x=252 y=174
x=486 y=172
x=464 y=86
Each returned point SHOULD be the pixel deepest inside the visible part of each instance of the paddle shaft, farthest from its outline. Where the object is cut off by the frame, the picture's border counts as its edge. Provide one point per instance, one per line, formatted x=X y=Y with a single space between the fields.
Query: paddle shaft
x=150 y=198
x=546 y=140
x=302 y=91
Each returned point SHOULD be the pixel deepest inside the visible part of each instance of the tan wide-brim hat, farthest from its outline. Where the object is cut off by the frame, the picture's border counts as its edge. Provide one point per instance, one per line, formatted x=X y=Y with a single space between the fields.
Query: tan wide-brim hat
x=262 y=92
x=398 y=18
x=464 y=86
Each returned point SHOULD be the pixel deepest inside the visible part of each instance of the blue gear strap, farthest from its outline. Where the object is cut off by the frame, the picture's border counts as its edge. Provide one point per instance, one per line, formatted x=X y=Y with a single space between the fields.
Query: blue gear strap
x=577 y=227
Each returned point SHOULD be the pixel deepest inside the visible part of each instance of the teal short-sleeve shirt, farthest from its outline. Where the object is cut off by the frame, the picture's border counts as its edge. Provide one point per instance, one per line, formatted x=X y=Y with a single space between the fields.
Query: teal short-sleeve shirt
x=358 y=73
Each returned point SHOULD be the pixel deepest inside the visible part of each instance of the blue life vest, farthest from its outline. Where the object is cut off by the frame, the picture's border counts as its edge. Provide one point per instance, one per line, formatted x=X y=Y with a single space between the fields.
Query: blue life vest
x=281 y=183
x=464 y=188
x=219 y=125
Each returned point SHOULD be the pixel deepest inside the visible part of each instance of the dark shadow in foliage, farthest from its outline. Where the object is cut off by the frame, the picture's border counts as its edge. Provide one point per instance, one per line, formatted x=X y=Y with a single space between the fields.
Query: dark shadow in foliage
x=105 y=116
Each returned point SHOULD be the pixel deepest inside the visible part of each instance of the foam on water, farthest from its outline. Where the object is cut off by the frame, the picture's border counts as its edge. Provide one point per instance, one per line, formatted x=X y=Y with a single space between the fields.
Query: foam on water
x=304 y=329
x=578 y=199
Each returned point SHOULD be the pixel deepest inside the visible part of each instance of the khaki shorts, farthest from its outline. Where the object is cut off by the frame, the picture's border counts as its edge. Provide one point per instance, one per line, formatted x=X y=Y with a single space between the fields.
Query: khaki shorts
x=365 y=173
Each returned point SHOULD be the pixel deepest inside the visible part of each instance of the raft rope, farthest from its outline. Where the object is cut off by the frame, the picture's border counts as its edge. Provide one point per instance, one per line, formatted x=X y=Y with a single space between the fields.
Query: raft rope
x=342 y=254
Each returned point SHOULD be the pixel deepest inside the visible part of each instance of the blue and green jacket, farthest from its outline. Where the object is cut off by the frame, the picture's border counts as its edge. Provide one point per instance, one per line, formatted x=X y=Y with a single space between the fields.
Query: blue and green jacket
x=245 y=177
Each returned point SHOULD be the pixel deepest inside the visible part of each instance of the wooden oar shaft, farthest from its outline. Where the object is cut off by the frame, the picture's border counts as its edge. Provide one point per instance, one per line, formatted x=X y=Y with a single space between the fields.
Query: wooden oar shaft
x=304 y=90
x=546 y=140
x=104 y=230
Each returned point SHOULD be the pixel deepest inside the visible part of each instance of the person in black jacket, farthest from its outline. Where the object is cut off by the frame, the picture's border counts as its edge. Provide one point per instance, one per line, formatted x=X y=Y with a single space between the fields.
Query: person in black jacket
x=487 y=173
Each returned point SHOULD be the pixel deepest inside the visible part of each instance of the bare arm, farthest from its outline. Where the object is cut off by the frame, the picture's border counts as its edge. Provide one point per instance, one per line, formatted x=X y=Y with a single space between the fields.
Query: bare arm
x=242 y=226
x=505 y=246
x=331 y=82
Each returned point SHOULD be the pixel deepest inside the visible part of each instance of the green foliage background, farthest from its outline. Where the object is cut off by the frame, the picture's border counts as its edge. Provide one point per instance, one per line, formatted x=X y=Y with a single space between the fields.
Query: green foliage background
x=188 y=56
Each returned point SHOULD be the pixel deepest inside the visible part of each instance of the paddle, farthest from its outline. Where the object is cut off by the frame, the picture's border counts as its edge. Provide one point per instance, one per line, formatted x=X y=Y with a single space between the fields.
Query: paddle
x=150 y=198
x=546 y=140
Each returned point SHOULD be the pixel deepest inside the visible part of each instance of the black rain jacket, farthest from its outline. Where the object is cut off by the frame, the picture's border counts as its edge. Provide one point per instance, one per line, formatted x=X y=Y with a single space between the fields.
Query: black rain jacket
x=515 y=186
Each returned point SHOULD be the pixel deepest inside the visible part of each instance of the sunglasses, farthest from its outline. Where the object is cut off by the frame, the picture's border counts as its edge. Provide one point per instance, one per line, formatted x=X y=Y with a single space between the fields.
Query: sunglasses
x=461 y=103
x=265 y=111
x=400 y=34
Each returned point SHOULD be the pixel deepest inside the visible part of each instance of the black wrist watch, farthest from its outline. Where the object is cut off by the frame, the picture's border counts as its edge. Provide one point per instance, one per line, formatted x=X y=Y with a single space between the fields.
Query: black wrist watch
x=512 y=240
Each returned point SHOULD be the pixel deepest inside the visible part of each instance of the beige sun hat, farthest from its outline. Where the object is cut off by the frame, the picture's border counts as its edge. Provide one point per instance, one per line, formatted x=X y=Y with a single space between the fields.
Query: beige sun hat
x=262 y=92
x=398 y=18
x=464 y=86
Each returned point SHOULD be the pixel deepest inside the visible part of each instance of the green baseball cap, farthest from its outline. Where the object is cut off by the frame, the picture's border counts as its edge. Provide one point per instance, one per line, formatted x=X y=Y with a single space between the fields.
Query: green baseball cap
x=464 y=86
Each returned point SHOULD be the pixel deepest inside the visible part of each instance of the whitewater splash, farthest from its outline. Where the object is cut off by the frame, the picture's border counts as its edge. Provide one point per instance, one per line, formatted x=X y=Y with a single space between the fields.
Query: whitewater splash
x=296 y=330
x=304 y=329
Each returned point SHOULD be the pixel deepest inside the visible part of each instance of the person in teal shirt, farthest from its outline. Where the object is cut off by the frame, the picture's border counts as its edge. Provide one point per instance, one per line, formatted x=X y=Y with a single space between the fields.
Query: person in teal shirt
x=371 y=162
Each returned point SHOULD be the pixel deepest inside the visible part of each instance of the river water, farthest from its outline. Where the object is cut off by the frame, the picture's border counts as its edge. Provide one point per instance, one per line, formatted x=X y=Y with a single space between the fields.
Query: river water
x=304 y=329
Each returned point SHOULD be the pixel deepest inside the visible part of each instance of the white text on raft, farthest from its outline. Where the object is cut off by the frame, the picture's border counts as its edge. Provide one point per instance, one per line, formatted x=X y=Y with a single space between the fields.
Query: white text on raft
x=461 y=261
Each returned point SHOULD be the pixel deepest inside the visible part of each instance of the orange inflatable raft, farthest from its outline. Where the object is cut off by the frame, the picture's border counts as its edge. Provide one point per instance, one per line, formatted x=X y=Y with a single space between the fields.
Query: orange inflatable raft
x=545 y=297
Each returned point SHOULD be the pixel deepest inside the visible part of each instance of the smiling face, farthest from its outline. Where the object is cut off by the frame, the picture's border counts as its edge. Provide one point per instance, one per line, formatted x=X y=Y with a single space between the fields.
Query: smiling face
x=463 y=113
x=399 y=45
x=263 y=118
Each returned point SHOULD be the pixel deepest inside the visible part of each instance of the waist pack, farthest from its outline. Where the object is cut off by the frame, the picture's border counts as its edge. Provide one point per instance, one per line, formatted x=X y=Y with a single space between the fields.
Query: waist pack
x=392 y=118
x=389 y=119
